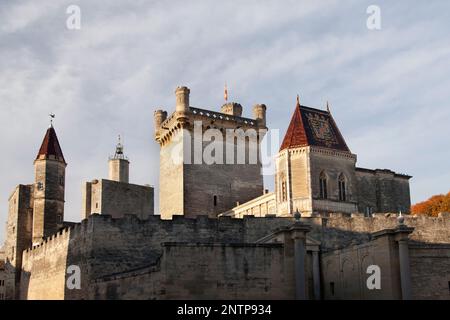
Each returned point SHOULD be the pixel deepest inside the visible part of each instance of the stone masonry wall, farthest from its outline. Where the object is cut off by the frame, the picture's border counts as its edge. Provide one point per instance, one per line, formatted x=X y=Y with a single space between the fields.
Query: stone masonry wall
x=382 y=191
x=18 y=235
x=118 y=199
x=205 y=271
x=344 y=272
x=170 y=180
x=342 y=230
x=430 y=271
x=106 y=247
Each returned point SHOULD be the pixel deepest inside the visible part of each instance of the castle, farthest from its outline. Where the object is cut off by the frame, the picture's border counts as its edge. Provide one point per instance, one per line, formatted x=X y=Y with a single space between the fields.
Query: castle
x=220 y=234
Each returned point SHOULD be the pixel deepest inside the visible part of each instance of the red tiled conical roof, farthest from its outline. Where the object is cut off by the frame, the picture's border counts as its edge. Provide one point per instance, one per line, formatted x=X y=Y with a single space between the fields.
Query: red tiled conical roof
x=295 y=135
x=313 y=127
x=50 y=148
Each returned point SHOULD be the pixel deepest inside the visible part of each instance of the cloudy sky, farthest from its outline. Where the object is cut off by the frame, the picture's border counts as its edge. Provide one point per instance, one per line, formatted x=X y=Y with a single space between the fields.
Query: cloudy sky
x=388 y=89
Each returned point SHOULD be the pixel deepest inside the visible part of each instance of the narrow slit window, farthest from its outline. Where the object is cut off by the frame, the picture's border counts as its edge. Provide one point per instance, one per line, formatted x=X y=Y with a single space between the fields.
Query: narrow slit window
x=342 y=188
x=323 y=192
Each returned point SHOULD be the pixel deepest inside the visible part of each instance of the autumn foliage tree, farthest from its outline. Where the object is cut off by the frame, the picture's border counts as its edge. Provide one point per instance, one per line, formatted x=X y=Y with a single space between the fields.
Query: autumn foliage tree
x=432 y=206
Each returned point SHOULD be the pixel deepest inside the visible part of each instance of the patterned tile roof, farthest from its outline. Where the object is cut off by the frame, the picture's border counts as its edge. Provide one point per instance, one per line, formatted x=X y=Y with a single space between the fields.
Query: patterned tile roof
x=313 y=127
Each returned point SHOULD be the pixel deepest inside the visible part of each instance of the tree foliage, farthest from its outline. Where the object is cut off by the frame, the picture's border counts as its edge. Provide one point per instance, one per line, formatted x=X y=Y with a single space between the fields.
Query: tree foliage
x=432 y=206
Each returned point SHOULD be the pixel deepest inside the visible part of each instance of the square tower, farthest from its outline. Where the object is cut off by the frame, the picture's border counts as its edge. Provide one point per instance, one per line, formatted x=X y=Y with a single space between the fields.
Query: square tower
x=209 y=161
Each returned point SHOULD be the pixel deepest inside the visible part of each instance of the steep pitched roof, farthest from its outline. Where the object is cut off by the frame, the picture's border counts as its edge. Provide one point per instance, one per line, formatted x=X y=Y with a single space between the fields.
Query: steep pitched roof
x=313 y=127
x=50 y=148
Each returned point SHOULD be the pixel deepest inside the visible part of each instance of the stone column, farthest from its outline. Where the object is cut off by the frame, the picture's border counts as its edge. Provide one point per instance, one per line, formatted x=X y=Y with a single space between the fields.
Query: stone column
x=316 y=275
x=402 y=236
x=298 y=234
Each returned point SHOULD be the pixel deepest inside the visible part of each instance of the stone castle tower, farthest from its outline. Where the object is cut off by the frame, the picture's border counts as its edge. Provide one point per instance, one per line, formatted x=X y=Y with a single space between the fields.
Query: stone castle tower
x=35 y=210
x=116 y=196
x=191 y=184
x=315 y=168
x=50 y=175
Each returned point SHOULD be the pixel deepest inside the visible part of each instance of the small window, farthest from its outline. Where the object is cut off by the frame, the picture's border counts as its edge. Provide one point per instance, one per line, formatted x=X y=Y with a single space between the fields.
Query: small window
x=40 y=186
x=96 y=205
x=215 y=201
x=332 y=288
x=342 y=188
x=61 y=181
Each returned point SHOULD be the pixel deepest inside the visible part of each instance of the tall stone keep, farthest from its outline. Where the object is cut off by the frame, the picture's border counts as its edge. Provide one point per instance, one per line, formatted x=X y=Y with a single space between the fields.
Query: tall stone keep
x=209 y=160
x=49 y=188
x=119 y=166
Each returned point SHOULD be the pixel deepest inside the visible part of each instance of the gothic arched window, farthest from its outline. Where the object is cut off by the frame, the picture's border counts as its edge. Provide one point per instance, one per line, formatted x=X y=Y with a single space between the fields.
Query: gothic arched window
x=342 y=188
x=323 y=194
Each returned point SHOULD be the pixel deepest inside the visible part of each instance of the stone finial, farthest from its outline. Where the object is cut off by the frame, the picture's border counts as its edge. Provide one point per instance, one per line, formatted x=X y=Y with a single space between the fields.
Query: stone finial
x=297 y=215
x=52 y=116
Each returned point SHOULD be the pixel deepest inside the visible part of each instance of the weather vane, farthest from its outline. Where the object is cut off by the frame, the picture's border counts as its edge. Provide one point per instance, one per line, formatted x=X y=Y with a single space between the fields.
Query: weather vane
x=52 y=116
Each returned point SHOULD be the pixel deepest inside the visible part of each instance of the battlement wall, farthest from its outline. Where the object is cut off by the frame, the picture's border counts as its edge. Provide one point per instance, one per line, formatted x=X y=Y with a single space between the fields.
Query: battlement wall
x=44 y=267
x=101 y=245
x=339 y=228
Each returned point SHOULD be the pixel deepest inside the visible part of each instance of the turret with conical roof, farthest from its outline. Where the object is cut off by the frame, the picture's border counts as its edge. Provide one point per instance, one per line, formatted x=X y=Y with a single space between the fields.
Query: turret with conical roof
x=49 y=187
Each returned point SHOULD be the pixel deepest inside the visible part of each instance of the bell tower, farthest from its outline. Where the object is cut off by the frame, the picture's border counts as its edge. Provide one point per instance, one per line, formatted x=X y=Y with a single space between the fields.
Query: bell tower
x=49 y=187
x=119 y=166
